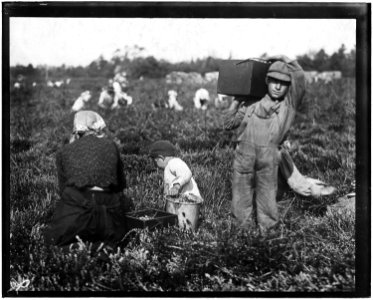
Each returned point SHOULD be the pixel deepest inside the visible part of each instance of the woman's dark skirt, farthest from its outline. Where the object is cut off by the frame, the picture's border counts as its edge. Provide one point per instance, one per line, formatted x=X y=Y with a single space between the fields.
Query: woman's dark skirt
x=94 y=216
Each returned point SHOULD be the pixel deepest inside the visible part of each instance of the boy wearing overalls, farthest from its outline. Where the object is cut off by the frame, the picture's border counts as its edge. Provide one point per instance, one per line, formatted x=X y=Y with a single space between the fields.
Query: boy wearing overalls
x=263 y=128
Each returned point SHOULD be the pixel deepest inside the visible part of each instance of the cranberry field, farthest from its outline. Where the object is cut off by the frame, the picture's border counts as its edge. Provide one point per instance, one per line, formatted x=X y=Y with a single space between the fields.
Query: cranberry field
x=312 y=250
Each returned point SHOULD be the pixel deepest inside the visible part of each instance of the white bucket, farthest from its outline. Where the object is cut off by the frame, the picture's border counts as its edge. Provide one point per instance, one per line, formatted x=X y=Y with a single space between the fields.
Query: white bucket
x=187 y=211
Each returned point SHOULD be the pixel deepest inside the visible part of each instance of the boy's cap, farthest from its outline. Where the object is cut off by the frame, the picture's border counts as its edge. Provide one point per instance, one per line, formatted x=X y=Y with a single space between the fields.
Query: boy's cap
x=279 y=70
x=164 y=148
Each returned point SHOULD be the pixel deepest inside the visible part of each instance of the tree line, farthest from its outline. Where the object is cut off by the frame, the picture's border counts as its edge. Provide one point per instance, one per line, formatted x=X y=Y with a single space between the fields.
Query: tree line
x=338 y=61
x=137 y=66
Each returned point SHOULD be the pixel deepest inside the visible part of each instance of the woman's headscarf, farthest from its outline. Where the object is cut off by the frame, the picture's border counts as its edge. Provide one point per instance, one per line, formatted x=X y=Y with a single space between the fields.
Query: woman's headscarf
x=87 y=122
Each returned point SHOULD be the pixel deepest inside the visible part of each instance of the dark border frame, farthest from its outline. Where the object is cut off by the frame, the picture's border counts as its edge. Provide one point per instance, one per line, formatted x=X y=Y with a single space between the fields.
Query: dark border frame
x=361 y=12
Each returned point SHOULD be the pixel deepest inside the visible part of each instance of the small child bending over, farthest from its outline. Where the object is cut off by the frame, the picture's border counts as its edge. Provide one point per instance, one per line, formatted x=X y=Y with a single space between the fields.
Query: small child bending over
x=178 y=179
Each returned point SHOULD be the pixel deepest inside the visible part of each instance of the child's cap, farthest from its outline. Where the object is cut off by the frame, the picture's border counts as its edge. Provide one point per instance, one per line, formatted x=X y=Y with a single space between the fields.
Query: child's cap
x=279 y=70
x=163 y=147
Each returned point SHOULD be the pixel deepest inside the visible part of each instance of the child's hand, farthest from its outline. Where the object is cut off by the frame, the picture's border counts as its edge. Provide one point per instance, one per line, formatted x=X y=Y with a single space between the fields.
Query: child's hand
x=174 y=191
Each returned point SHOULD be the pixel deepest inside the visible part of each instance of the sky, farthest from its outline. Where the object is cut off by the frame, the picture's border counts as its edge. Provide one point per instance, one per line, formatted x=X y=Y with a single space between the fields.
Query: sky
x=79 y=41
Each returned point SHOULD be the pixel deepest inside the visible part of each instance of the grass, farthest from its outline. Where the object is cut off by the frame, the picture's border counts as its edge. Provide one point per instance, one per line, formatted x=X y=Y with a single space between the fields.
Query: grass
x=312 y=249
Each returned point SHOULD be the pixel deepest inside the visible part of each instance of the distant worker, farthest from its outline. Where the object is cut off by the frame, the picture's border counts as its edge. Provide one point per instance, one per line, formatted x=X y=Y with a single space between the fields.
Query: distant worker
x=201 y=99
x=172 y=102
x=106 y=97
x=121 y=78
x=113 y=97
x=80 y=103
x=120 y=97
x=20 y=82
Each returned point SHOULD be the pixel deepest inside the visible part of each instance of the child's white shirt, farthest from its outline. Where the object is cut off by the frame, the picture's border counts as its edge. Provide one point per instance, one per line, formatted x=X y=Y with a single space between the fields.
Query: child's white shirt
x=177 y=171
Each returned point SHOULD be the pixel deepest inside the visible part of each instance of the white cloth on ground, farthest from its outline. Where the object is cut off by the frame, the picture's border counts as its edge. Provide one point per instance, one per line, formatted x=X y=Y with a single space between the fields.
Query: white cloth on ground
x=307 y=186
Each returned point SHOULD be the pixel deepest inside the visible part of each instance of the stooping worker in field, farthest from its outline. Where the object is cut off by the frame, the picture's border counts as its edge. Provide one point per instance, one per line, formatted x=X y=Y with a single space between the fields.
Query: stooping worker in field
x=178 y=178
x=263 y=126
x=106 y=97
x=91 y=181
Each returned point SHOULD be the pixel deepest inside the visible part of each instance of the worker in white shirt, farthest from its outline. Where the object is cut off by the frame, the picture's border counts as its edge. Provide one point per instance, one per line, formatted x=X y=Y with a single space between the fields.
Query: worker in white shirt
x=178 y=179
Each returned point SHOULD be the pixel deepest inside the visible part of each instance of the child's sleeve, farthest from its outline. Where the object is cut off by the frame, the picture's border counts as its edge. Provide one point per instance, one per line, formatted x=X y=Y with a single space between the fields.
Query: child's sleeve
x=293 y=98
x=181 y=172
x=233 y=117
x=298 y=84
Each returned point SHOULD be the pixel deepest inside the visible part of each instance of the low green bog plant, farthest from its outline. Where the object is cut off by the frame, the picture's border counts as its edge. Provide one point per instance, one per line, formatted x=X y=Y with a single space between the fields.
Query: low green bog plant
x=311 y=250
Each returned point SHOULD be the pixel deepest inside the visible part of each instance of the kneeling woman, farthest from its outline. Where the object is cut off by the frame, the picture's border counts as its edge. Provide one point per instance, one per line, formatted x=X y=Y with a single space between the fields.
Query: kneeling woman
x=91 y=182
